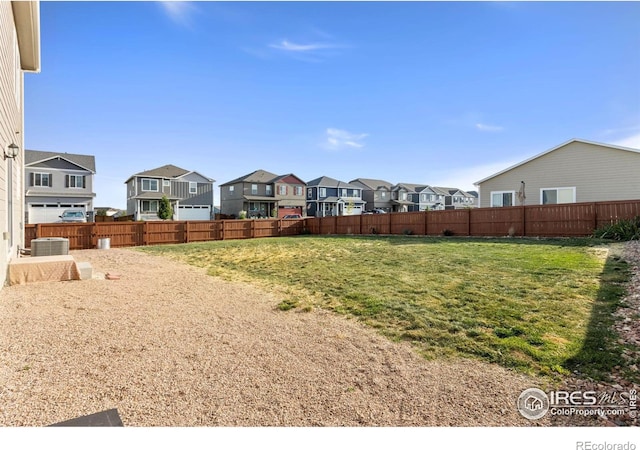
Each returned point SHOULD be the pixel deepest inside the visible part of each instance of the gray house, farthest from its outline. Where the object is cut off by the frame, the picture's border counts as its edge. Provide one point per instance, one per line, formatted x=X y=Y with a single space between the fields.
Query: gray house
x=55 y=182
x=576 y=171
x=376 y=193
x=263 y=194
x=190 y=193
x=330 y=197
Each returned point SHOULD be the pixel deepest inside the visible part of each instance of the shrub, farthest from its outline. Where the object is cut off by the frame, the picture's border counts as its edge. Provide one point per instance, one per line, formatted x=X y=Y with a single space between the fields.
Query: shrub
x=622 y=230
x=447 y=232
x=164 y=208
x=242 y=215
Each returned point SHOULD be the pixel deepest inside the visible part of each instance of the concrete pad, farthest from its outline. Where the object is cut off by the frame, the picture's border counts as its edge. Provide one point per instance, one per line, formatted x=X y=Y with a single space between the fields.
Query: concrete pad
x=85 y=270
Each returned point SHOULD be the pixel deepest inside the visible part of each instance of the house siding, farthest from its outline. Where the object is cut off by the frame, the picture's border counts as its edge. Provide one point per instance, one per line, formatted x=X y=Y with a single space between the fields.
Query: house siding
x=11 y=170
x=597 y=172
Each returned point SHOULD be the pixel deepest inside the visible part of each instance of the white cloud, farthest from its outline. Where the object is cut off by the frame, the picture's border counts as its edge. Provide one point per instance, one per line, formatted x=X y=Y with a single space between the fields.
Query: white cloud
x=632 y=141
x=488 y=128
x=179 y=12
x=341 y=139
x=291 y=47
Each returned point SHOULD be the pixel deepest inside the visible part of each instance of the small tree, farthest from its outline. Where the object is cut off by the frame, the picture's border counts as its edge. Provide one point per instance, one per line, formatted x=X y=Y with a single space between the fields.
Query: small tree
x=164 y=209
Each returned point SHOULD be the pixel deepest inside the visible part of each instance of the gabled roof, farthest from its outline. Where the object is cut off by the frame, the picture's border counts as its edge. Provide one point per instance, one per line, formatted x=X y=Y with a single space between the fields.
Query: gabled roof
x=282 y=177
x=332 y=183
x=167 y=171
x=87 y=162
x=442 y=190
x=372 y=183
x=616 y=147
x=410 y=187
x=257 y=176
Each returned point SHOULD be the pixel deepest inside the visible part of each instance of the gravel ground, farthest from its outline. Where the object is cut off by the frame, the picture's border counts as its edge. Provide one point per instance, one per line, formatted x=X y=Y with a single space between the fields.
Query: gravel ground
x=168 y=345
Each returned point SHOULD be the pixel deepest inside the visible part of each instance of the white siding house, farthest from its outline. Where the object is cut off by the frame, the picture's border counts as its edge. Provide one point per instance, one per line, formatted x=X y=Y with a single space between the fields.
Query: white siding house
x=19 y=53
x=574 y=172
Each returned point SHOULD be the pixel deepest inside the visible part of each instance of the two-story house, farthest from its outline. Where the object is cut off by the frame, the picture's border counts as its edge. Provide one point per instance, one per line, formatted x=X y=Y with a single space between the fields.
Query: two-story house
x=190 y=193
x=55 y=182
x=376 y=193
x=262 y=194
x=329 y=197
x=403 y=196
x=455 y=198
x=19 y=53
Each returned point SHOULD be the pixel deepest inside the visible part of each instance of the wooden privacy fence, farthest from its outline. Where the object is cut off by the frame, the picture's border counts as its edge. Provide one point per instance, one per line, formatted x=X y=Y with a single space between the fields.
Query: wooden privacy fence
x=130 y=234
x=575 y=219
x=567 y=220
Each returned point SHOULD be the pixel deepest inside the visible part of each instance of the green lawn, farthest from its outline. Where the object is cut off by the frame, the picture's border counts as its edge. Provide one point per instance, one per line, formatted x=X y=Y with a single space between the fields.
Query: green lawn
x=541 y=307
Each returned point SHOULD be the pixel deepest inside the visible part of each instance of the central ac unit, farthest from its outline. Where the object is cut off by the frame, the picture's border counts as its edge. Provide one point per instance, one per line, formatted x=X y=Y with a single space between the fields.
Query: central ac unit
x=49 y=246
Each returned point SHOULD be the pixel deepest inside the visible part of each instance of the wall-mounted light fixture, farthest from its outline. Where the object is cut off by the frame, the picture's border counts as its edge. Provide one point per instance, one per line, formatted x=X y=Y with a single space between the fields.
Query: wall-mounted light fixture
x=11 y=151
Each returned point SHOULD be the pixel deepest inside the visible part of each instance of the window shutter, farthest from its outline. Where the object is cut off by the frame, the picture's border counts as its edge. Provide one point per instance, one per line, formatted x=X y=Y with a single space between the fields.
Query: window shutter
x=66 y=181
x=31 y=179
x=84 y=181
x=50 y=180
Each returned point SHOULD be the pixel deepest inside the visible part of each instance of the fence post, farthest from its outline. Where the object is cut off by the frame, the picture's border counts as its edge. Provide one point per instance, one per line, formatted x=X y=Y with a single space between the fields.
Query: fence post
x=524 y=220
x=37 y=231
x=469 y=222
x=186 y=232
x=253 y=228
x=94 y=235
x=595 y=216
x=145 y=231
x=280 y=227
x=390 y=214
x=426 y=221
x=222 y=230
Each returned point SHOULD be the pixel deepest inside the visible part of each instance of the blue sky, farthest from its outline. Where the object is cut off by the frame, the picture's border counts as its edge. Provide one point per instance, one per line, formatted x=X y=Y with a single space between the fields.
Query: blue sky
x=441 y=93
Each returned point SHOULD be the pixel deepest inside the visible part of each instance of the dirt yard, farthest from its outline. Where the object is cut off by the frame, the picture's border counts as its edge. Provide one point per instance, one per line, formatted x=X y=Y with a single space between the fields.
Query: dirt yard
x=168 y=345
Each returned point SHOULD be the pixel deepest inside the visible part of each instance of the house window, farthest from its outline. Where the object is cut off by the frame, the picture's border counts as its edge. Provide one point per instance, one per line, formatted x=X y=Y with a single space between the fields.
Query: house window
x=299 y=190
x=149 y=184
x=75 y=181
x=268 y=189
x=254 y=189
x=343 y=193
x=282 y=189
x=502 y=198
x=149 y=206
x=323 y=192
x=553 y=196
x=42 y=179
x=193 y=187
x=231 y=189
x=309 y=193
x=383 y=194
x=404 y=196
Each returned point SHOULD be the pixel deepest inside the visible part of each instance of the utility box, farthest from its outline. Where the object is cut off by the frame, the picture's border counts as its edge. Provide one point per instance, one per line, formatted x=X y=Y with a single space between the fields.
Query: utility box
x=49 y=246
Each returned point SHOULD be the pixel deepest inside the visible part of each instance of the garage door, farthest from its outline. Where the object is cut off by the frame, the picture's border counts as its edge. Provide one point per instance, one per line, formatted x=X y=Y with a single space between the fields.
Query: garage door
x=49 y=213
x=194 y=212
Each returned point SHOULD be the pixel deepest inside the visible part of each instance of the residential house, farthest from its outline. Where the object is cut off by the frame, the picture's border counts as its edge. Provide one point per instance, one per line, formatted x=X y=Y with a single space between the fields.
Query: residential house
x=576 y=171
x=263 y=194
x=55 y=182
x=429 y=199
x=455 y=198
x=19 y=53
x=190 y=193
x=329 y=197
x=376 y=193
x=403 y=196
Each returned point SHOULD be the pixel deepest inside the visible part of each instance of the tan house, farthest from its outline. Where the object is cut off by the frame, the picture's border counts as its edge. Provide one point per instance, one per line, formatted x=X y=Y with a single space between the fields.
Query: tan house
x=574 y=172
x=263 y=194
x=19 y=53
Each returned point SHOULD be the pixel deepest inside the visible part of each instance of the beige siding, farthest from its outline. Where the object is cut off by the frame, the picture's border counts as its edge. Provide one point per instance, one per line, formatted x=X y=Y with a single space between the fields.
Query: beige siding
x=598 y=173
x=10 y=123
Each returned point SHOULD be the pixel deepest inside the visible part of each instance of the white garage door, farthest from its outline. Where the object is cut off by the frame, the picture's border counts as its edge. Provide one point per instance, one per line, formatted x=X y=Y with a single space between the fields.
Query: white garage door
x=194 y=212
x=49 y=213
